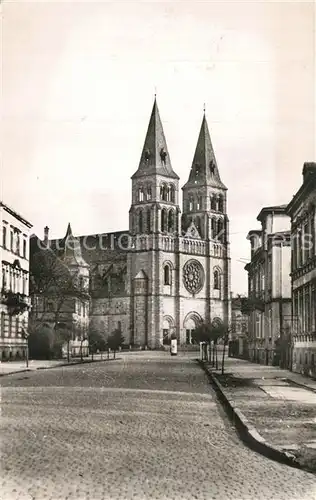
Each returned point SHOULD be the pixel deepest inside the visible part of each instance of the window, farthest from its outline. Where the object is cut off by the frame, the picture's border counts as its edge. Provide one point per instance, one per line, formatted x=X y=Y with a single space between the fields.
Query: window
x=167 y=275
x=10 y=325
x=17 y=248
x=220 y=204
x=148 y=221
x=149 y=194
x=140 y=194
x=163 y=192
x=2 y=323
x=11 y=241
x=24 y=248
x=170 y=221
x=199 y=203
x=140 y=221
x=17 y=325
x=164 y=217
x=191 y=204
x=172 y=193
x=119 y=326
x=216 y=279
x=4 y=237
x=213 y=203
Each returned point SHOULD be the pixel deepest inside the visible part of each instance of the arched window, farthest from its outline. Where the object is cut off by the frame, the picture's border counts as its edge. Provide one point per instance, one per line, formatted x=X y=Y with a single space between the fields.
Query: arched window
x=140 y=221
x=213 y=202
x=220 y=230
x=163 y=192
x=199 y=203
x=197 y=222
x=140 y=194
x=148 y=222
x=164 y=217
x=172 y=193
x=167 y=275
x=213 y=228
x=171 y=225
x=148 y=193
x=216 y=279
x=220 y=203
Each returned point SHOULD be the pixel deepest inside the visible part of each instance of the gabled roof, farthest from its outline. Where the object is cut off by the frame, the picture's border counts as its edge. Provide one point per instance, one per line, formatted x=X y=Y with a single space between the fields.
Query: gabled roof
x=204 y=170
x=155 y=157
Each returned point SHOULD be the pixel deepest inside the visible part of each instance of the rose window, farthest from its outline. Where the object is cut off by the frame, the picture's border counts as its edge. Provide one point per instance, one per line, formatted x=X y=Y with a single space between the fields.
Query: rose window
x=193 y=276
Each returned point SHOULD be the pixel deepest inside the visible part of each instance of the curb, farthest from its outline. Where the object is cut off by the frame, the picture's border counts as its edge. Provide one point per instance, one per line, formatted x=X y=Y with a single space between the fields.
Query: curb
x=63 y=365
x=246 y=430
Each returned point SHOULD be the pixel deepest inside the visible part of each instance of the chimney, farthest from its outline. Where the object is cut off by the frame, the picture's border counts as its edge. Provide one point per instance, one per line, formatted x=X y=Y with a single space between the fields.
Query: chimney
x=46 y=231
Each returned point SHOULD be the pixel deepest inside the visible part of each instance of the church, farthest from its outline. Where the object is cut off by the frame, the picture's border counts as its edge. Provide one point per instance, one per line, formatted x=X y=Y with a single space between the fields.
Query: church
x=171 y=268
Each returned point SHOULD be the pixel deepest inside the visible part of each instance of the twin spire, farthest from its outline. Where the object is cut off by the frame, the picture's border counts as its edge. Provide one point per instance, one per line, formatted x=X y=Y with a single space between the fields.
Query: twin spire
x=155 y=157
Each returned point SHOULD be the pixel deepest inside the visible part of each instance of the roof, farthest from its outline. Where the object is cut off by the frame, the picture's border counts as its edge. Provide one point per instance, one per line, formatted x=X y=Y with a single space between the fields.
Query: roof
x=15 y=214
x=155 y=158
x=309 y=183
x=279 y=209
x=204 y=170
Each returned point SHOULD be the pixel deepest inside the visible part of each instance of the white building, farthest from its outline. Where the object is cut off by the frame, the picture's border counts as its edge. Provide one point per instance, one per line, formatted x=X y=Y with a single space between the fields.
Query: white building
x=269 y=288
x=14 y=283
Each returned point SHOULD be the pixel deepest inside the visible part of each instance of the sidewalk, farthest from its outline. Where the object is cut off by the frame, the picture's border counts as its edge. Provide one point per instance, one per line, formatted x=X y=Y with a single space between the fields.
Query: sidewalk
x=10 y=367
x=275 y=408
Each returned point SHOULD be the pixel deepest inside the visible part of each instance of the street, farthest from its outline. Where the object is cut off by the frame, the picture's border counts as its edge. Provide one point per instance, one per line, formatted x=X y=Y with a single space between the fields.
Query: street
x=144 y=426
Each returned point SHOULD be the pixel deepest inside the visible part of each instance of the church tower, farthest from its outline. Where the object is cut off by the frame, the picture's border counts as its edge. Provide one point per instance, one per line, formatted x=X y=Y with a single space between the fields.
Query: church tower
x=154 y=223
x=205 y=212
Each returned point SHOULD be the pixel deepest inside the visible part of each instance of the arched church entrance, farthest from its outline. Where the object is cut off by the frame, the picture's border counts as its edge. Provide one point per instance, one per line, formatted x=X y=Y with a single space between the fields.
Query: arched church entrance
x=168 y=329
x=192 y=320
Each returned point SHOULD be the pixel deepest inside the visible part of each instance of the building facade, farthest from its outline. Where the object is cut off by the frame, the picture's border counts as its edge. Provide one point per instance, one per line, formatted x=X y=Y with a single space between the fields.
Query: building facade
x=302 y=211
x=269 y=288
x=14 y=283
x=170 y=269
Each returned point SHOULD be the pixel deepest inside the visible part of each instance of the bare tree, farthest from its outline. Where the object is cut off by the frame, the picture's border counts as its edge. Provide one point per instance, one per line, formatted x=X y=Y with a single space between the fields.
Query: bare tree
x=53 y=288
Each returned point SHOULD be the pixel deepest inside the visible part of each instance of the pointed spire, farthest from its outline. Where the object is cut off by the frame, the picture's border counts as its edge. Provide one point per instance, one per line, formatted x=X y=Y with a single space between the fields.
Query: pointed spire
x=155 y=156
x=204 y=170
x=69 y=231
x=72 y=250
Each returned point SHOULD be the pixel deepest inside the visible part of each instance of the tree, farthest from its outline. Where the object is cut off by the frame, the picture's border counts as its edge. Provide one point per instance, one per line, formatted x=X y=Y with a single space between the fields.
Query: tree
x=53 y=289
x=115 y=340
x=212 y=332
x=97 y=341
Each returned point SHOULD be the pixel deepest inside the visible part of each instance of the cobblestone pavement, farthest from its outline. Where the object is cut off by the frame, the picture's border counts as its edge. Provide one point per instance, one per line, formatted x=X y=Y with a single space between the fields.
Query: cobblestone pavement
x=147 y=426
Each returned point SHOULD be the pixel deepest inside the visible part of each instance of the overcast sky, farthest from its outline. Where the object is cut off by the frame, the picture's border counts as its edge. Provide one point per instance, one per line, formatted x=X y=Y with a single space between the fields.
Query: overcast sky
x=78 y=83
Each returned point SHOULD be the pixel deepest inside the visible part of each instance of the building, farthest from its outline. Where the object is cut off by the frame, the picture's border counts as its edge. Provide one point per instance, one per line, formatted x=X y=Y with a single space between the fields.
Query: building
x=269 y=288
x=59 y=290
x=239 y=328
x=14 y=283
x=301 y=209
x=169 y=269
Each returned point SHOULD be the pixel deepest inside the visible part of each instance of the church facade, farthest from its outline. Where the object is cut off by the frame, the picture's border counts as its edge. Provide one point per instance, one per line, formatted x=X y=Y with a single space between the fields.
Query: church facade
x=171 y=268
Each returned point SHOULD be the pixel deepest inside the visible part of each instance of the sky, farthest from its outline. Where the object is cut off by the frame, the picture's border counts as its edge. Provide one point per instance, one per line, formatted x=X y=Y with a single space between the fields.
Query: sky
x=78 y=84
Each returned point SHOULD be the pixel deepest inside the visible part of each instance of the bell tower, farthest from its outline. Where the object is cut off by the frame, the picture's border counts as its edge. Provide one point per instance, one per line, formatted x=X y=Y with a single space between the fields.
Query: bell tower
x=204 y=195
x=205 y=212
x=154 y=223
x=155 y=186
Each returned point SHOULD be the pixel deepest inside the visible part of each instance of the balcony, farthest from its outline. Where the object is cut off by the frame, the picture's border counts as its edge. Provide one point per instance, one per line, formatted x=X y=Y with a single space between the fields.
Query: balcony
x=16 y=303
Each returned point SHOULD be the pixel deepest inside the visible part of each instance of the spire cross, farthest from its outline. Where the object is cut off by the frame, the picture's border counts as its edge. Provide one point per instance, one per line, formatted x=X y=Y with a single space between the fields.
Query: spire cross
x=204 y=108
